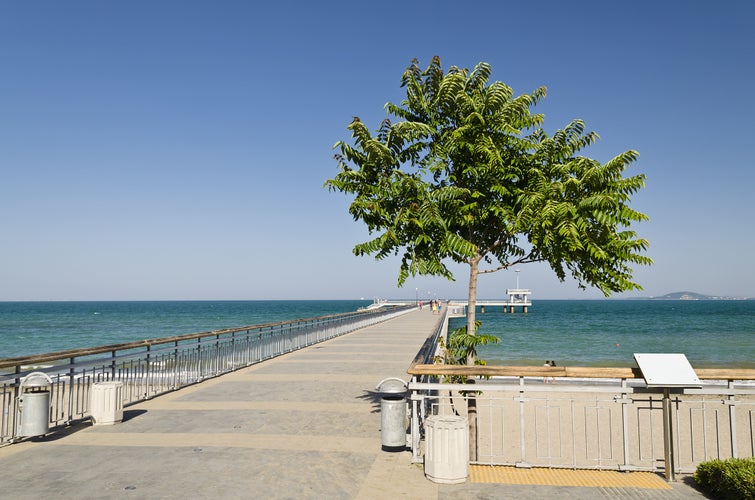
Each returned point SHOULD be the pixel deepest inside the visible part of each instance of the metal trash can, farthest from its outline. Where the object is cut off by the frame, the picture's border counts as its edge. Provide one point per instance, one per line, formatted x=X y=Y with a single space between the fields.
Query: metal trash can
x=106 y=403
x=393 y=414
x=34 y=405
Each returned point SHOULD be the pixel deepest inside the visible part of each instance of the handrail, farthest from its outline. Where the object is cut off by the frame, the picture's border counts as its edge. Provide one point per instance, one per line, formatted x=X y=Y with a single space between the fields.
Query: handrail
x=429 y=347
x=568 y=371
x=89 y=351
x=152 y=367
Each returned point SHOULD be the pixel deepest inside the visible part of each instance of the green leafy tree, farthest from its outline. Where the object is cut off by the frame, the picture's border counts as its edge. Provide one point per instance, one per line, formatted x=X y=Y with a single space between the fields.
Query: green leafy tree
x=465 y=173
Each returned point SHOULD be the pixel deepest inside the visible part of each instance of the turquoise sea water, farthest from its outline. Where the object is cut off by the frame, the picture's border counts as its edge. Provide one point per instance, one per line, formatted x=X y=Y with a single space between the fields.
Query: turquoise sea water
x=39 y=327
x=586 y=333
x=710 y=333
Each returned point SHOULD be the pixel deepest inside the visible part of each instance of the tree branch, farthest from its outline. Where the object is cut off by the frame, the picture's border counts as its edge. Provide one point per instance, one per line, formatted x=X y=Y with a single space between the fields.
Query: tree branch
x=527 y=259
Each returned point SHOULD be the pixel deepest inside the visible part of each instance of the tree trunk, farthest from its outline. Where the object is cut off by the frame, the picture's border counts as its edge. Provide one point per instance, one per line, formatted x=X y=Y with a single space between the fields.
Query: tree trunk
x=471 y=317
x=472 y=302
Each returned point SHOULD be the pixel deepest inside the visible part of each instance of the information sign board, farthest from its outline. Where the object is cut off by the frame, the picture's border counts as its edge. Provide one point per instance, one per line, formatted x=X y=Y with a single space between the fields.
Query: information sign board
x=667 y=370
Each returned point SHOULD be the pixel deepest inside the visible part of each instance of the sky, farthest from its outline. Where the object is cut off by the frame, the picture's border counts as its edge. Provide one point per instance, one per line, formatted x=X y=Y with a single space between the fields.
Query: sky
x=177 y=150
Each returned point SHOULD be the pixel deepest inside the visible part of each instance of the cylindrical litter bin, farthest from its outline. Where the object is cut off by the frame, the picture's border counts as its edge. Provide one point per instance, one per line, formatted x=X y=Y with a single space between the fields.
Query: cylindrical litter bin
x=106 y=405
x=393 y=414
x=447 y=450
x=34 y=405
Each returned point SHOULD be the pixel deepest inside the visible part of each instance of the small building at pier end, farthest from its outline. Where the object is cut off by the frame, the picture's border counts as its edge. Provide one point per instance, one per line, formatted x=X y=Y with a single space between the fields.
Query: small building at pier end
x=518 y=297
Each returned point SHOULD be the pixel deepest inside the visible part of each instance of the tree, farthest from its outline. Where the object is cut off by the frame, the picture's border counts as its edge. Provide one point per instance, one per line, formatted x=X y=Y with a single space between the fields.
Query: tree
x=467 y=174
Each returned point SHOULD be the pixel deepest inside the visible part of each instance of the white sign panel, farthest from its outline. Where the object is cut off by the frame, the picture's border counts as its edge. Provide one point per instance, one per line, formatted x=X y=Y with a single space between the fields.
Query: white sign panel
x=667 y=370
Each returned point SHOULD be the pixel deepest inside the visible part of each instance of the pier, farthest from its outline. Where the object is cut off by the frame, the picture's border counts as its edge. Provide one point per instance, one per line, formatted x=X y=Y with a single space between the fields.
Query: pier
x=518 y=299
x=302 y=425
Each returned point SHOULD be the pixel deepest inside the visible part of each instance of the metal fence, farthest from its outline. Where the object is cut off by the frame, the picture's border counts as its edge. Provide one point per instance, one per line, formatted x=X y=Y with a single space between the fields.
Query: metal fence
x=152 y=367
x=581 y=417
x=603 y=424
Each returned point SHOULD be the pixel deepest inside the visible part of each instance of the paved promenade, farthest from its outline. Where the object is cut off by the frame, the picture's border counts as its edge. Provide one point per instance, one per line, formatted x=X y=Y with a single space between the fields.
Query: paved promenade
x=304 y=425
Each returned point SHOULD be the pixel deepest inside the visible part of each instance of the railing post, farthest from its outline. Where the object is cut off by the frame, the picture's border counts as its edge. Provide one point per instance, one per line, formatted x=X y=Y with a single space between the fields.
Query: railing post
x=415 y=423
x=147 y=373
x=217 y=355
x=112 y=364
x=176 y=368
x=624 y=401
x=200 y=370
x=14 y=405
x=71 y=381
x=731 y=402
x=522 y=429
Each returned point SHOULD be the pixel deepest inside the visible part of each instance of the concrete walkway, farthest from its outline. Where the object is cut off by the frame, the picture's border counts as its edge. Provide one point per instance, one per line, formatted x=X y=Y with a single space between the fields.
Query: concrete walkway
x=304 y=425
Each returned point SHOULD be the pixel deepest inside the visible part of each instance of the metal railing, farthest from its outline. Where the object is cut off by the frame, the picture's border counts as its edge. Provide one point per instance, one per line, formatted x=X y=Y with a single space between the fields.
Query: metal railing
x=152 y=367
x=591 y=418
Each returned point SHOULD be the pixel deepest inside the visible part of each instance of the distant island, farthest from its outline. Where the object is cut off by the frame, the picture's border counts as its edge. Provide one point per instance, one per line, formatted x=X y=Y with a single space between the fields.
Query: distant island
x=694 y=296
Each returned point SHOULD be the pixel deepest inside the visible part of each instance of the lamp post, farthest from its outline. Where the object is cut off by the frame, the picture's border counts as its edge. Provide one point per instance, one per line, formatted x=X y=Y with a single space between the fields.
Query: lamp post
x=517 y=279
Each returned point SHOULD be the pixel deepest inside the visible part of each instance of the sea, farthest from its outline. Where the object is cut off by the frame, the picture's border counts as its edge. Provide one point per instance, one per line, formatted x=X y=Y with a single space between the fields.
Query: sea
x=28 y=328
x=711 y=333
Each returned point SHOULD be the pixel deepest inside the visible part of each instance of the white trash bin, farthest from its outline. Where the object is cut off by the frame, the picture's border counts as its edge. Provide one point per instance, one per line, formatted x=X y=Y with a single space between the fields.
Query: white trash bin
x=106 y=405
x=447 y=449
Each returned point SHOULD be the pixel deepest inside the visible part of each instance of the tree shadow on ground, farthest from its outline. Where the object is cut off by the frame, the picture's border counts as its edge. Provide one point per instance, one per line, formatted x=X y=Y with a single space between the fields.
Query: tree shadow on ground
x=374 y=398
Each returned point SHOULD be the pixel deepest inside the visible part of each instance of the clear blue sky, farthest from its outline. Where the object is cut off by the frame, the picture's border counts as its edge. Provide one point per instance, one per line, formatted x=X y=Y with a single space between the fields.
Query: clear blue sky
x=177 y=149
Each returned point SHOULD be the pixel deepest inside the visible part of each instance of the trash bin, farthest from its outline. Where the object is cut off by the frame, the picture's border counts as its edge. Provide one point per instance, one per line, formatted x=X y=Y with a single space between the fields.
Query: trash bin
x=447 y=453
x=393 y=414
x=106 y=404
x=34 y=405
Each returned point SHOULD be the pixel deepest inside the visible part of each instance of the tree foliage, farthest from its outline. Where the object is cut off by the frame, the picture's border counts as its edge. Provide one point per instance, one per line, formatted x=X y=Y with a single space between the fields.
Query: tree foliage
x=458 y=348
x=463 y=172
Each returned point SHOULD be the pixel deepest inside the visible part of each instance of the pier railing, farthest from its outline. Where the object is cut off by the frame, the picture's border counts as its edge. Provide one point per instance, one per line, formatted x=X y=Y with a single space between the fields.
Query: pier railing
x=591 y=418
x=152 y=367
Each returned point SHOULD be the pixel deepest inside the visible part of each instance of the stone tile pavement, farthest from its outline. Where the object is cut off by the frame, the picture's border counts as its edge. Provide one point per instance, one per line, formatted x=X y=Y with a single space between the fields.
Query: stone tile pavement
x=303 y=425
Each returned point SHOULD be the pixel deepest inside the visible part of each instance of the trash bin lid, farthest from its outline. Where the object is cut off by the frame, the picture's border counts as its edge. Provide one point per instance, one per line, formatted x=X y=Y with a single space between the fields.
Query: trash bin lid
x=392 y=385
x=36 y=379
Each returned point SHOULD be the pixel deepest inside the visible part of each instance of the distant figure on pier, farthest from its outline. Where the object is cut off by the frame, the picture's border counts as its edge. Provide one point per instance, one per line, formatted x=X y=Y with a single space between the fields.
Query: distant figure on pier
x=548 y=364
x=553 y=379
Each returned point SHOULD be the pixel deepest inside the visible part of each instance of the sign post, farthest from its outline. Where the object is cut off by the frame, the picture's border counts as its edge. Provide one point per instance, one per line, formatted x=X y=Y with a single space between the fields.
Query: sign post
x=667 y=371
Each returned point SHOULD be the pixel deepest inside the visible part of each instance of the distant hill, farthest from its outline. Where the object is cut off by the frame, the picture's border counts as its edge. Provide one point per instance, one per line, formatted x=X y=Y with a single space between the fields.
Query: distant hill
x=691 y=296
